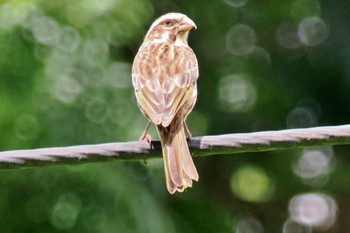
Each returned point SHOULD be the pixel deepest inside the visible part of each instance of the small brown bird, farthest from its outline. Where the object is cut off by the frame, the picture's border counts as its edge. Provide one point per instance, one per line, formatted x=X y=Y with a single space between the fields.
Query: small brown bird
x=164 y=76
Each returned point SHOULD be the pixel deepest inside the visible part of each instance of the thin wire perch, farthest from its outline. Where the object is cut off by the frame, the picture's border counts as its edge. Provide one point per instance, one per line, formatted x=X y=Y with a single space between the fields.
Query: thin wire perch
x=199 y=146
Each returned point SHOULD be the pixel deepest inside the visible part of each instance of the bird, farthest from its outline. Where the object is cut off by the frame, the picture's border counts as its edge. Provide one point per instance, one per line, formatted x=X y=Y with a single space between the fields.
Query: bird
x=164 y=77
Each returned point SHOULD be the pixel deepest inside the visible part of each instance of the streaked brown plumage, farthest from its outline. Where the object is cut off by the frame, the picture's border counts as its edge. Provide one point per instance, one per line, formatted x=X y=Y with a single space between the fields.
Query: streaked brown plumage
x=164 y=76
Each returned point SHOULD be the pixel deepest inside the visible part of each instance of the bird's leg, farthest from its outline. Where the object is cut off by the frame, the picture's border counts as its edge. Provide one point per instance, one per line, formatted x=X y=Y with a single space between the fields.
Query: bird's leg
x=187 y=132
x=144 y=135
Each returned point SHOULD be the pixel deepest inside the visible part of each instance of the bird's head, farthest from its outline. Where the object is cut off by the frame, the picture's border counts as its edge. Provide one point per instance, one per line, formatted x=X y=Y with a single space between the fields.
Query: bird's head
x=170 y=28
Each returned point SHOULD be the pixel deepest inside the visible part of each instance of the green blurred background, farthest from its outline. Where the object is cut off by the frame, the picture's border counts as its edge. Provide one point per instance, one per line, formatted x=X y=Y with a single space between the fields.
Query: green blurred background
x=264 y=65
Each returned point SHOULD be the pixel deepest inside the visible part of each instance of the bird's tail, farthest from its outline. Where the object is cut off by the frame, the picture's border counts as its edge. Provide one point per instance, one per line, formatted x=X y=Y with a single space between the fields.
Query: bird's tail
x=178 y=163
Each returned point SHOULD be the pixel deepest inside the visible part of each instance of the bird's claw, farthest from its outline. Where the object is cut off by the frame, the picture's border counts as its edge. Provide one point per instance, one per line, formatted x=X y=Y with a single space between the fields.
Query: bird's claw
x=146 y=137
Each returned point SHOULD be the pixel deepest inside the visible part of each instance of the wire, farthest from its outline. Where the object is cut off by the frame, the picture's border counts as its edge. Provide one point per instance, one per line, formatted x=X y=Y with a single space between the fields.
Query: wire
x=199 y=146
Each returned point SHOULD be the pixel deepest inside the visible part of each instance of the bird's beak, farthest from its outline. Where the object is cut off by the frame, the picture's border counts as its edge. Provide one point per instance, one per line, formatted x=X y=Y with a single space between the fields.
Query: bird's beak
x=186 y=24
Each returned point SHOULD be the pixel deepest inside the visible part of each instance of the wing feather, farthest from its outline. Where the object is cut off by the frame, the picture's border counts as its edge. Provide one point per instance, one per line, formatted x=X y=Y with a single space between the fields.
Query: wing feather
x=150 y=99
x=164 y=84
x=182 y=86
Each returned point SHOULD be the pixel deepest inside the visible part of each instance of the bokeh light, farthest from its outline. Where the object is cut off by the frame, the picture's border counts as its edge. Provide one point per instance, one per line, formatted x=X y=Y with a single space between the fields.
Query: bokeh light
x=253 y=184
x=313 y=209
x=314 y=165
x=95 y=53
x=240 y=40
x=301 y=117
x=248 y=224
x=13 y=14
x=98 y=7
x=68 y=39
x=66 y=211
x=66 y=89
x=97 y=110
x=236 y=3
x=291 y=226
x=313 y=31
x=27 y=127
x=287 y=35
x=262 y=55
x=45 y=30
x=237 y=93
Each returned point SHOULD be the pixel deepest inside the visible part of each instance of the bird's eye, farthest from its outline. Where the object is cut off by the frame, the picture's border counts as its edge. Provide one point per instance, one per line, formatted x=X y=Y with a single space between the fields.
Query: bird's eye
x=168 y=23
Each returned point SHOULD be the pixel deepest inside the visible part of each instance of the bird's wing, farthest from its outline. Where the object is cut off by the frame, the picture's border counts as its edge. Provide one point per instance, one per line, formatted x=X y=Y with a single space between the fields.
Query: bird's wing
x=163 y=85
x=178 y=87
x=149 y=97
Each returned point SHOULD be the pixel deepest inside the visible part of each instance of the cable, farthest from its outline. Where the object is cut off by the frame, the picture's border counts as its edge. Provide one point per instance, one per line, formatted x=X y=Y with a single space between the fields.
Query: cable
x=199 y=146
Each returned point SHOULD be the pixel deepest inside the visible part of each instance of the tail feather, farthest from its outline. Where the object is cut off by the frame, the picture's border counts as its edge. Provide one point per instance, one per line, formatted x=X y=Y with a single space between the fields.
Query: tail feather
x=188 y=165
x=178 y=163
x=173 y=164
x=171 y=186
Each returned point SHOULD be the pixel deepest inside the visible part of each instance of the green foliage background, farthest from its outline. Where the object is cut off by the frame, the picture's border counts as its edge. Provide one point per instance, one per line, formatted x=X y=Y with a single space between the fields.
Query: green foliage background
x=264 y=65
